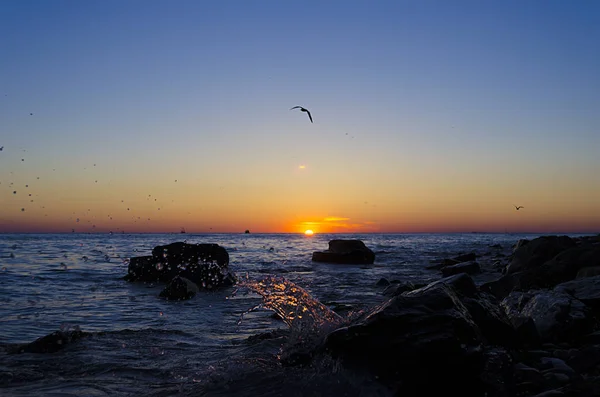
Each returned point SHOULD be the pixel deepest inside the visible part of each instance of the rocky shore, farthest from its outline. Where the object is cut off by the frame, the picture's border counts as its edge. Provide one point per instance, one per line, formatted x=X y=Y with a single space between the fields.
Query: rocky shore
x=520 y=323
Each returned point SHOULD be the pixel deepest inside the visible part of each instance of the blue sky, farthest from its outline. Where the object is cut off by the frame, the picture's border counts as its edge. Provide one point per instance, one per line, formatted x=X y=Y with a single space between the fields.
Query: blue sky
x=419 y=94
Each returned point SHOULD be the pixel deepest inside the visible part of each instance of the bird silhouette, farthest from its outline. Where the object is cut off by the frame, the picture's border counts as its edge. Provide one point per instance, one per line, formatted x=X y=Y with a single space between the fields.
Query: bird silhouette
x=303 y=110
x=1 y=148
x=519 y=207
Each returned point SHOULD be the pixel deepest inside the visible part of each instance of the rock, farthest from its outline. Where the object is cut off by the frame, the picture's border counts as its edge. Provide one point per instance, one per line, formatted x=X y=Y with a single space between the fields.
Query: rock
x=345 y=252
x=565 y=266
x=557 y=316
x=51 y=343
x=454 y=261
x=143 y=268
x=491 y=320
x=412 y=337
x=586 y=290
x=537 y=252
x=584 y=359
x=398 y=288
x=589 y=271
x=502 y=287
x=180 y=288
x=465 y=257
x=205 y=265
x=550 y=393
x=460 y=283
x=382 y=282
x=469 y=268
x=556 y=365
x=525 y=373
x=561 y=268
x=497 y=373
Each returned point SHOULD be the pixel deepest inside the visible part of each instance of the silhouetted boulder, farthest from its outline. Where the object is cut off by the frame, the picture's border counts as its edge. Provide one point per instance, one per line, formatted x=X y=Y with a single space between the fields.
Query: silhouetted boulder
x=413 y=336
x=538 y=251
x=558 y=317
x=205 y=265
x=345 y=252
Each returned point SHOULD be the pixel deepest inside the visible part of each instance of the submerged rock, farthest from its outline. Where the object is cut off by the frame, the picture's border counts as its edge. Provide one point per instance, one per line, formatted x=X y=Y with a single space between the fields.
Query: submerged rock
x=51 y=343
x=345 y=252
x=180 y=288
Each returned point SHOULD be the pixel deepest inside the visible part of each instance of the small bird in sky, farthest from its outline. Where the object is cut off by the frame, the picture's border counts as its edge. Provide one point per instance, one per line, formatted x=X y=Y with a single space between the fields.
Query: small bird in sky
x=303 y=110
x=519 y=207
x=1 y=148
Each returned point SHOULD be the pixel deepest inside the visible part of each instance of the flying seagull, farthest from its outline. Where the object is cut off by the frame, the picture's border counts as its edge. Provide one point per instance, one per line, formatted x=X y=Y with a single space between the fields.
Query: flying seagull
x=303 y=110
x=519 y=207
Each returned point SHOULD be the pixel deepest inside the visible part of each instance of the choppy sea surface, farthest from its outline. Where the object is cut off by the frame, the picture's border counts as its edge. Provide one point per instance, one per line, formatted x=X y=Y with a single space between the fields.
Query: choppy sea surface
x=142 y=345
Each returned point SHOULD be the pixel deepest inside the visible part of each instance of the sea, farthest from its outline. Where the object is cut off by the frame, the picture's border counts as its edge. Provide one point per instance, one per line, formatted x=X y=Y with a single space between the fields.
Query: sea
x=220 y=343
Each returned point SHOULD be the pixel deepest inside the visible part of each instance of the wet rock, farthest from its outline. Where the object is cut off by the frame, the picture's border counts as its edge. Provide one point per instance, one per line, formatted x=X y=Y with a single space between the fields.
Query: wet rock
x=180 y=288
x=550 y=393
x=51 y=343
x=413 y=336
x=398 y=288
x=584 y=359
x=453 y=261
x=345 y=252
x=143 y=268
x=586 y=290
x=557 y=316
x=468 y=268
x=382 y=282
x=206 y=265
x=538 y=251
x=497 y=373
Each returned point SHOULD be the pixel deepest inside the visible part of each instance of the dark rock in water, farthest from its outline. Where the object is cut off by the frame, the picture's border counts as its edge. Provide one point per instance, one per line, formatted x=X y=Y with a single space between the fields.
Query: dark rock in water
x=413 y=336
x=382 y=282
x=537 y=252
x=345 y=252
x=468 y=268
x=180 y=288
x=50 y=343
x=205 y=265
x=454 y=261
x=143 y=268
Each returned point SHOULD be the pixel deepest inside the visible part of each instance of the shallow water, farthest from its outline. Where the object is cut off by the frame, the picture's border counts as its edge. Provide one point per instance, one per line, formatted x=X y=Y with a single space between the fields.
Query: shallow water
x=143 y=345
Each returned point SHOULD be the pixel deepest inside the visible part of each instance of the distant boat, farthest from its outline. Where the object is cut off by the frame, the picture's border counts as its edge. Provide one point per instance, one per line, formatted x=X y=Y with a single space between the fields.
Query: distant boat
x=247 y=231
x=182 y=230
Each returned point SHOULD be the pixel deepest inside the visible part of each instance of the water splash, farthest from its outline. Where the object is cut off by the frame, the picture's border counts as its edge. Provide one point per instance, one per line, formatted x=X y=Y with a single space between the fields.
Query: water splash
x=309 y=320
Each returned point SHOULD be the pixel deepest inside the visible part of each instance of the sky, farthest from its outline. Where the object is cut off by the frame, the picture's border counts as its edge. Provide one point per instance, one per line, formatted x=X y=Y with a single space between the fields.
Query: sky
x=429 y=116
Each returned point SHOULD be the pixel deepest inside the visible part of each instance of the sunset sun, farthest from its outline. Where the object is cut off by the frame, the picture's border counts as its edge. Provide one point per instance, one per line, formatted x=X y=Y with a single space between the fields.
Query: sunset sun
x=308 y=232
